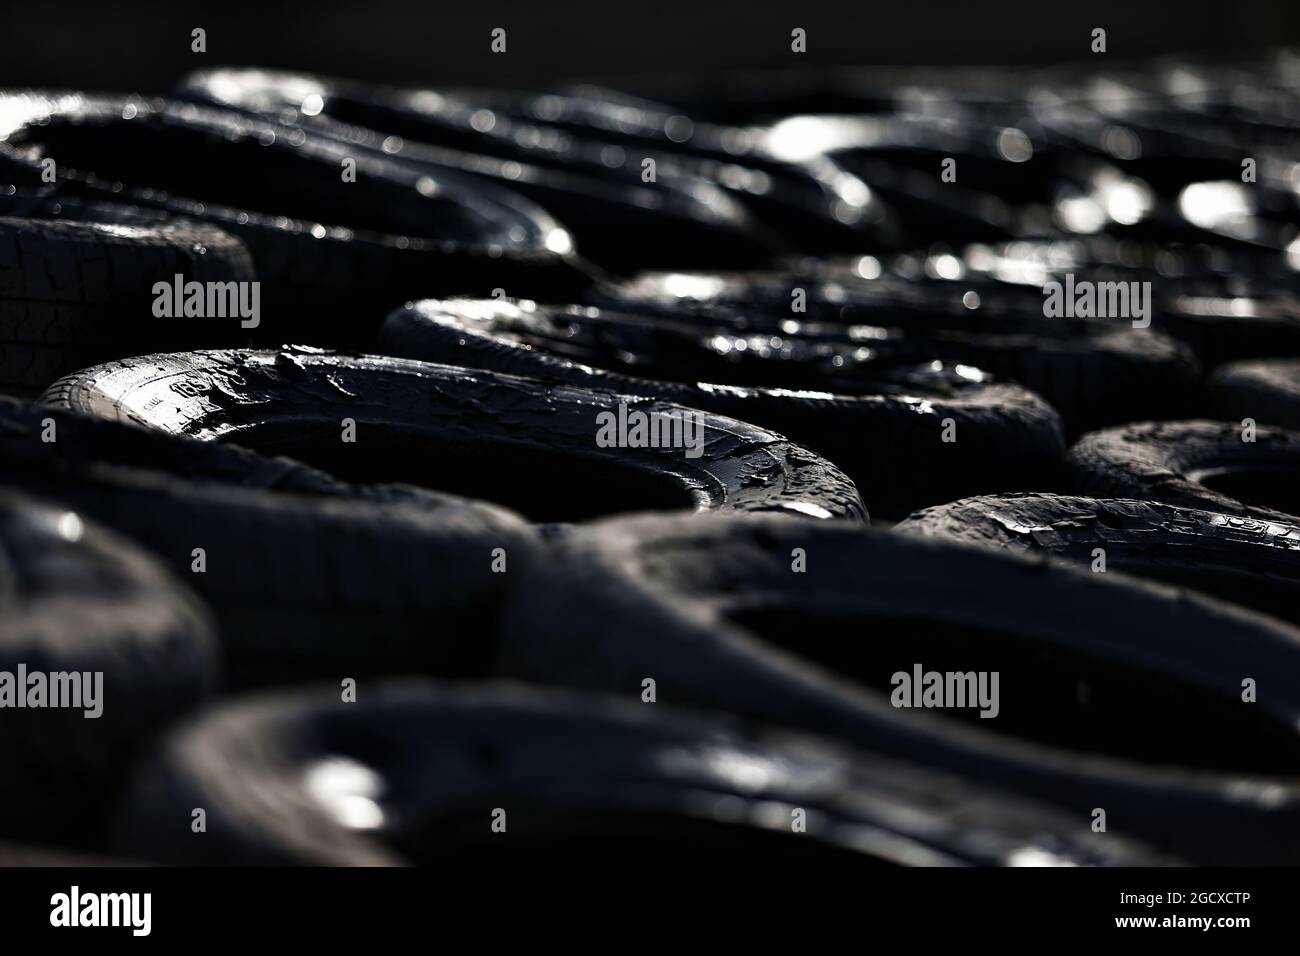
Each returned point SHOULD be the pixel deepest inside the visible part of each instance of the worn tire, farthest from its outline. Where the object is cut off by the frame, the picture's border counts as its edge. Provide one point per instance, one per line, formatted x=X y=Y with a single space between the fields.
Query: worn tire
x=814 y=200
x=620 y=222
x=74 y=294
x=600 y=782
x=865 y=425
x=1105 y=680
x=79 y=599
x=308 y=575
x=311 y=588
x=1267 y=391
x=1247 y=561
x=334 y=256
x=481 y=430
x=1089 y=370
x=1196 y=464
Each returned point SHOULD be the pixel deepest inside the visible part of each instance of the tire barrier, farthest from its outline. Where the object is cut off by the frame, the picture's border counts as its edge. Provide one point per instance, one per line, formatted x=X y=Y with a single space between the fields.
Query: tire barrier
x=396 y=456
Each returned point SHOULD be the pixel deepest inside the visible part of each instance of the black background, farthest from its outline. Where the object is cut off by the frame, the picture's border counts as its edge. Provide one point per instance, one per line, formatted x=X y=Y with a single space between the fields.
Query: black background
x=99 y=44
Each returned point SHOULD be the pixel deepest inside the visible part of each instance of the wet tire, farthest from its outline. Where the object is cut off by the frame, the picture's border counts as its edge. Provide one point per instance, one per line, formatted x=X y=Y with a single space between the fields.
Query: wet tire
x=1092 y=372
x=494 y=780
x=1196 y=464
x=468 y=432
x=334 y=255
x=1247 y=561
x=620 y=222
x=73 y=294
x=1114 y=693
x=1267 y=391
x=82 y=601
x=864 y=423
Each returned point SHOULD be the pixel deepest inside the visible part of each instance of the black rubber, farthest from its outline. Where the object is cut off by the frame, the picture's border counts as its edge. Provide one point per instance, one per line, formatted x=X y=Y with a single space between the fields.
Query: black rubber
x=1115 y=693
x=308 y=588
x=497 y=437
x=1094 y=372
x=581 y=128
x=1197 y=464
x=308 y=575
x=1247 y=561
x=596 y=190
x=335 y=256
x=413 y=773
x=80 y=600
x=78 y=441
x=73 y=294
x=864 y=416
x=1266 y=390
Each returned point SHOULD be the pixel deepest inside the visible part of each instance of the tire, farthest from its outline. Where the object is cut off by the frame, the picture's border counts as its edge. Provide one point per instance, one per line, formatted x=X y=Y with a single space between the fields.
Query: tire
x=1246 y=561
x=1267 y=391
x=600 y=782
x=74 y=294
x=696 y=210
x=1209 y=317
x=1104 y=680
x=308 y=575
x=466 y=432
x=317 y=588
x=1195 y=464
x=80 y=600
x=334 y=256
x=865 y=425
x=1091 y=372
x=621 y=223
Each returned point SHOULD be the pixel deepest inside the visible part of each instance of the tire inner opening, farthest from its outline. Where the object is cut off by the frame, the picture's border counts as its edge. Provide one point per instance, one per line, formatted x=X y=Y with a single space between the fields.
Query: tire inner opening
x=540 y=484
x=1275 y=488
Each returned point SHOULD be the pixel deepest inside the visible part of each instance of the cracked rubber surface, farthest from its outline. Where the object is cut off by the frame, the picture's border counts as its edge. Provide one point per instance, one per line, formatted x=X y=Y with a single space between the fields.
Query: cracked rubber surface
x=1196 y=464
x=1114 y=692
x=73 y=294
x=77 y=598
x=439 y=425
x=596 y=777
x=1247 y=561
x=1266 y=390
x=865 y=419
